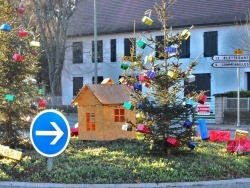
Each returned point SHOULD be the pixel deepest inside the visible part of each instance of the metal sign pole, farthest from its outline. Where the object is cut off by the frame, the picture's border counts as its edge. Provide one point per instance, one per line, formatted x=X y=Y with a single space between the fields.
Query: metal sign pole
x=50 y=163
x=238 y=97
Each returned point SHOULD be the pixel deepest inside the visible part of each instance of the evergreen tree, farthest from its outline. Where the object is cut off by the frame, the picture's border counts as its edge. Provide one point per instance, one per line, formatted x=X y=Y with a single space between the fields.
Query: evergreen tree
x=163 y=116
x=18 y=70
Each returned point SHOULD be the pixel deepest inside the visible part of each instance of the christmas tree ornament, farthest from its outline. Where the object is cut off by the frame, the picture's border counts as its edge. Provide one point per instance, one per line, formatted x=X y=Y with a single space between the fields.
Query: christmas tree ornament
x=187 y=124
x=191 y=144
x=123 y=80
x=137 y=86
x=185 y=34
x=143 y=128
x=151 y=74
x=139 y=135
x=172 y=74
x=35 y=44
x=146 y=84
x=170 y=49
x=22 y=33
x=150 y=58
x=141 y=44
x=21 y=10
x=42 y=103
x=137 y=63
x=171 y=140
x=18 y=57
x=202 y=99
x=5 y=27
x=189 y=103
x=126 y=127
x=146 y=19
x=9 y=97
x=34 y=52
x=128 y=105
x=190 y=78
x=40 y=92
x=143 y=78
x=241 y=135
x=124 y=66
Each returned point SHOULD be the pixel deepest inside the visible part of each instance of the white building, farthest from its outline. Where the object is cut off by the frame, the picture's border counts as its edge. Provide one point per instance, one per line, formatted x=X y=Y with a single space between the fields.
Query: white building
x=214 y=33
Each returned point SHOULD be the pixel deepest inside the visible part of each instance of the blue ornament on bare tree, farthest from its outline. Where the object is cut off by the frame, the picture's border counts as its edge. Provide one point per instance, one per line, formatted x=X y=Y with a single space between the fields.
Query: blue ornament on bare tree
x=187 y=124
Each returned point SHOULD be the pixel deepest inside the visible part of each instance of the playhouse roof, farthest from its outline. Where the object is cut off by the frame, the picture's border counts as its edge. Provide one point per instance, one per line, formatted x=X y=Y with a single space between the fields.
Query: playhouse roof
x=106 y=93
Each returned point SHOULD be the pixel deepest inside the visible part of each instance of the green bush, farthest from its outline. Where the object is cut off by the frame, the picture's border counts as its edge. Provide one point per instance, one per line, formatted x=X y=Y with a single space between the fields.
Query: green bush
x=233 y=94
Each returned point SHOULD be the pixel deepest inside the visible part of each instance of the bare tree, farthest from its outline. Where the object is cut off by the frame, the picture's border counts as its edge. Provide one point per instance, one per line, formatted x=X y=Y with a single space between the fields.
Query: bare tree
x=52 y=21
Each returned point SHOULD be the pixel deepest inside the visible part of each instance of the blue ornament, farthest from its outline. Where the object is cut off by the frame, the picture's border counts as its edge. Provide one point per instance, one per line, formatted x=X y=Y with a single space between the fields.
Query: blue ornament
x=191 y=144
x=170 y=49
x=137 y=86
x=5 y=27
x=187 y=124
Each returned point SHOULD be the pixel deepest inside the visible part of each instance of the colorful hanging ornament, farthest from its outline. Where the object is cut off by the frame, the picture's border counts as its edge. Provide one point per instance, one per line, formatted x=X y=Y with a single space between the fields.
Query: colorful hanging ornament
x=202 y=99
x=189 y=103
x=143 y=128
x=141 y=44
x=22 y=33
x=191 y=144
x=35 y=44
x=5 y=27
x=138 y=86
x=9 y=97
x=143 y=78
x=173 y=141
x=187 y=124
x=124 y=66
x=151 y=74
x=190 y=78
x=123 y=80
x=146 y=84
x=40 y=91
x=42 y=103
x=34 y=52
x=126 y=127
x=18 y=57
x=172 y=74
x=128 y=105
x=21 y=10
x=29 y=81
x=146 y=19
x=150 y=58
x=170 y=49
x=185 y=34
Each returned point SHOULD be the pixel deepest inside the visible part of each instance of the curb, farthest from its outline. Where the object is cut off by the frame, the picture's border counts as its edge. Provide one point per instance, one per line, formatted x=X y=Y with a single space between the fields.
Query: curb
x=140 y=185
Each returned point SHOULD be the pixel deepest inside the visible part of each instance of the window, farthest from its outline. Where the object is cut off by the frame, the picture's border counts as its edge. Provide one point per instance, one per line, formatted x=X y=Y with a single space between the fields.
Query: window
x=159 y=48
x=113 y=50
x=185 y=49
x=99 y=51
x=119 y=115
x=128 y=46
x=90 y=121
x=99 y=79
x=202 y=83
x=77 y=52
x=77 y=85
x=210 y=43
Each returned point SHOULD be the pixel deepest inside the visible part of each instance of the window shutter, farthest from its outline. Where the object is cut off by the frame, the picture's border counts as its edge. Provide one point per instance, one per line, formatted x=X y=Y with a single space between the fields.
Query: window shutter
x=159 y=48
x=113 y=50
x=210 y=43
x=185 y=49
x=128 y=46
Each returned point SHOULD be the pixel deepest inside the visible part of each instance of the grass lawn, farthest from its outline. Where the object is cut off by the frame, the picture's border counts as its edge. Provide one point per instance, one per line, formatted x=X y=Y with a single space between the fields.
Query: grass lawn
x=127 y=161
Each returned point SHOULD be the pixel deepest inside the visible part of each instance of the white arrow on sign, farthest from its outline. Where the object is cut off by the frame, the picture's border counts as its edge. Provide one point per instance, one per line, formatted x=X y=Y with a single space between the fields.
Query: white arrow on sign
x=58 y=133
x=230 y=64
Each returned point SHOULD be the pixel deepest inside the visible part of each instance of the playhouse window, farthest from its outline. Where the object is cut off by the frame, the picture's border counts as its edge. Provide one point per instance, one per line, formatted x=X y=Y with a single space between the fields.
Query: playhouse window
x=119 y=115
x=90 y=121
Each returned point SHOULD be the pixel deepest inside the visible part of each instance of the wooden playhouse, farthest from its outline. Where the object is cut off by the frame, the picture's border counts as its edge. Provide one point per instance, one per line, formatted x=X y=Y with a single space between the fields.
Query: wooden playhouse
x=101 y=113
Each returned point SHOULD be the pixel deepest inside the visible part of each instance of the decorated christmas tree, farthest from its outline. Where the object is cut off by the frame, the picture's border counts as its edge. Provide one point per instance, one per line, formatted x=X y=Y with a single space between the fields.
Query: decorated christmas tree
x=165 y=115
x=18 y=70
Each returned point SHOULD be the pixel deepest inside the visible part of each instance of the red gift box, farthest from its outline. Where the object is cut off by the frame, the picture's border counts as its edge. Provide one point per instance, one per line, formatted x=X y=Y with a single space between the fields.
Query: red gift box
x=238 y=145
x=220 y=136
x=143 y=128
x=143 y=78
x=18 y=57
x=173 y=141
x=42 y=103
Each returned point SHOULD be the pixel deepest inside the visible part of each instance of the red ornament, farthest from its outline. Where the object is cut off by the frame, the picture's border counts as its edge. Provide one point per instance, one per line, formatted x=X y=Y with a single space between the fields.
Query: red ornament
x=42 y=103
x=34 y=52
x=22 y=33
x=20 y=10
x=143 y=128
x=18 y=57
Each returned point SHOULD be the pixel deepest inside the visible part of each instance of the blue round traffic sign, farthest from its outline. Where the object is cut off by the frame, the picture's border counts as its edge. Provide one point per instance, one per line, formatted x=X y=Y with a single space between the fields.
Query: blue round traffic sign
x=50 y=133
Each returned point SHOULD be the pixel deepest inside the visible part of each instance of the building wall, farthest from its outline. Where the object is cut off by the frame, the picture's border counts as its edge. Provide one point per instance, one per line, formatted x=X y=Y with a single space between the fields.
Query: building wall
x=222 y=79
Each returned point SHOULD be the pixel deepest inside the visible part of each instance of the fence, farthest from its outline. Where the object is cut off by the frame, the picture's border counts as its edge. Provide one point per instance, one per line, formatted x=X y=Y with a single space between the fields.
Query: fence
x=232 y=103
